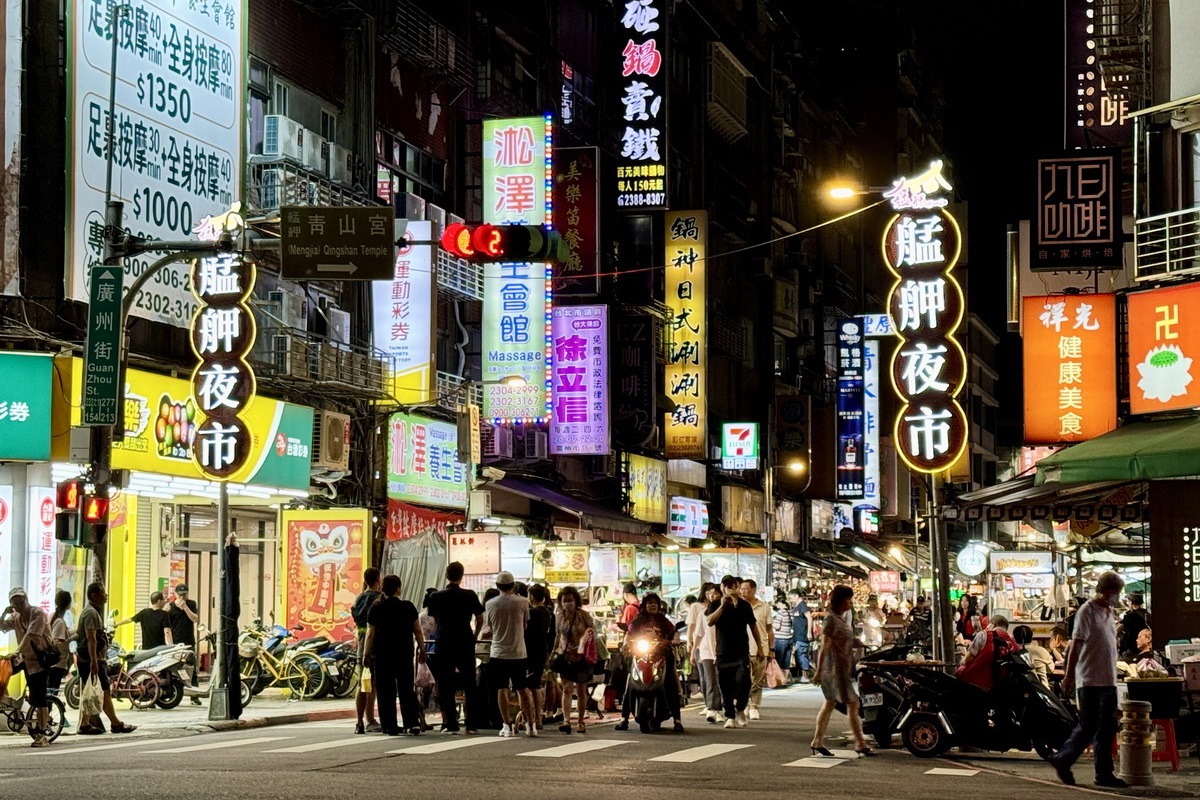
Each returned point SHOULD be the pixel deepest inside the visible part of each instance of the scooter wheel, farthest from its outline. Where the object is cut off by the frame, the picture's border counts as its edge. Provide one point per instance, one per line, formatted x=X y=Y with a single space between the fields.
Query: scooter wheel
x=170 y=694
x=924 y=736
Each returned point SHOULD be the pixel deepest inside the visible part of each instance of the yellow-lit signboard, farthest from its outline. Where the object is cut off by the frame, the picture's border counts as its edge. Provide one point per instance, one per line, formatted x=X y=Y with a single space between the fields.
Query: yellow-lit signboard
x=687 y=360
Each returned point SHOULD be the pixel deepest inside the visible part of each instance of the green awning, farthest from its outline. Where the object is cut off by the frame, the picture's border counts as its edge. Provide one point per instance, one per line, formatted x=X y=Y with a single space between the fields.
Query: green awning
x=1138 y=451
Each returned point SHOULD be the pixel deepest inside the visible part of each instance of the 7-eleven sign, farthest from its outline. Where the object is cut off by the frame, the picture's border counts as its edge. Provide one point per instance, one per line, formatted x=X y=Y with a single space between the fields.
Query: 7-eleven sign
x=739 y=445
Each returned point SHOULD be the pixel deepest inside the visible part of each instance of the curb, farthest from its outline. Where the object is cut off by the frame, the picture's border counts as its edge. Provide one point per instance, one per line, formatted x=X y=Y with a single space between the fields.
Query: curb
x=266 y=722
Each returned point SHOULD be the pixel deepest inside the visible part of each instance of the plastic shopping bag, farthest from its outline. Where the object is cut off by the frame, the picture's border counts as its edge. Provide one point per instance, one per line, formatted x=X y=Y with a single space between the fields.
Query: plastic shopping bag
x=91 y=698
x=775 y=676
x=365 y=684
x=424 y=676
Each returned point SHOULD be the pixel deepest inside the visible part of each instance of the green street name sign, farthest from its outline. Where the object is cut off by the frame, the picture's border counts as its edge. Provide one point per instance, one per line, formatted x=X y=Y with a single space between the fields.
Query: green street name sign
x=102 y=358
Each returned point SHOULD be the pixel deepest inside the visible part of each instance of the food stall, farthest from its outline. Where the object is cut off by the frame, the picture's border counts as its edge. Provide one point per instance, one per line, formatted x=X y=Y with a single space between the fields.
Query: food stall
x=1021 y=585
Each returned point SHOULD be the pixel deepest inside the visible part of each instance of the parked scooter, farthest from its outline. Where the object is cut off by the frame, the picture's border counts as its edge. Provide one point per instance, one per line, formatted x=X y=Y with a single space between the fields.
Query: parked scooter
x=205 y=691
x=940 y=711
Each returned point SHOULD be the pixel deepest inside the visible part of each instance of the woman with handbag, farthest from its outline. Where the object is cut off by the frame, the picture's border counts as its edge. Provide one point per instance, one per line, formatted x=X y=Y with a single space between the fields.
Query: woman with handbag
x=575 y=642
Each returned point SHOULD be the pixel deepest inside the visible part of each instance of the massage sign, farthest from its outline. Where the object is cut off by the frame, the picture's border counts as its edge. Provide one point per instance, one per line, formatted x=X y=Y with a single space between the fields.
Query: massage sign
x=223 y=383
x=921 y=245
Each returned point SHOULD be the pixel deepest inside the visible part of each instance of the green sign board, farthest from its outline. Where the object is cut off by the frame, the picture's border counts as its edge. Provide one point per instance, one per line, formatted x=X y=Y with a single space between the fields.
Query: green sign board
x=102 y=358
x=25 y=406
x=423 y=465
x=739 y=445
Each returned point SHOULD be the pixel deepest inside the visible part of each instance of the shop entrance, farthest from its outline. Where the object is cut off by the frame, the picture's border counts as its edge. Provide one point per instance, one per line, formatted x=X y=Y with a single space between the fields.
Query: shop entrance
x=257 y=563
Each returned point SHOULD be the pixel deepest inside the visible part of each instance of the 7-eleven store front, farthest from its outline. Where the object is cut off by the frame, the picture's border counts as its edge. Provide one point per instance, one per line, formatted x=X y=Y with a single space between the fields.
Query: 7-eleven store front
x=162 y=526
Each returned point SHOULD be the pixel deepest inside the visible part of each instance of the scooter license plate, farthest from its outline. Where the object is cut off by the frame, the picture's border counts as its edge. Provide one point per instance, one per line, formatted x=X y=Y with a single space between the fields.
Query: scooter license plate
x=333 y=671
x=872 y=700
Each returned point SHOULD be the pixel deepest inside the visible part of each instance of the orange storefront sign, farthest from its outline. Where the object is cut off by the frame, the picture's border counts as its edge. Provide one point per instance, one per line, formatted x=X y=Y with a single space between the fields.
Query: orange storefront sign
x=1070 y=367
x=1164 y=338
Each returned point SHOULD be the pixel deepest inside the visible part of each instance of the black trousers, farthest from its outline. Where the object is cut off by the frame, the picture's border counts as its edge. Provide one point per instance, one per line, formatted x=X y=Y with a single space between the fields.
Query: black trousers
x=394 y=679
x=453 y=671
x=734 y=679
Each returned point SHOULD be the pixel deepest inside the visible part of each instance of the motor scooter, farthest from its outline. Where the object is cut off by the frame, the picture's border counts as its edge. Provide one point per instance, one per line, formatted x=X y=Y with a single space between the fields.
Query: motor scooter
x=648 y=682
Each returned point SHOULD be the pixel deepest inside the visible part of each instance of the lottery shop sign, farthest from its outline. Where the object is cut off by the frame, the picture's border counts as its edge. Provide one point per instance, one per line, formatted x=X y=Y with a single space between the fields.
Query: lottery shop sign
x=921 y=244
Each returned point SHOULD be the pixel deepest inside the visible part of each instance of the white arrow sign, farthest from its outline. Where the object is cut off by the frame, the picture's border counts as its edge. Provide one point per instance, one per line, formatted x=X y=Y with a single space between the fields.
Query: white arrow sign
x=346 y=269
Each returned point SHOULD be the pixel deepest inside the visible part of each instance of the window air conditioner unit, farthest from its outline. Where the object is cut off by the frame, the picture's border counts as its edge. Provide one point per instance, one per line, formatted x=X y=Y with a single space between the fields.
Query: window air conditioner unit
x=409 y=206
x=501 y=443
x=331 y=441
x=290 y=309
x=314 y=154
x=537 y=444
x=341 y=164
x=283 y=137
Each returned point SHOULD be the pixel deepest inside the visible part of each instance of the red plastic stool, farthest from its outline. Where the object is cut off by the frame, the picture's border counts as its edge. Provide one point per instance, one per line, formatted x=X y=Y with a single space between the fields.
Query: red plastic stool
x=1170 y=749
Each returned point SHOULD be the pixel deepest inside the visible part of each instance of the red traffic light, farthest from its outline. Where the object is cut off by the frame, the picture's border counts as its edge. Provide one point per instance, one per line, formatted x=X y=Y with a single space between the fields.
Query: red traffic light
x=514 y=243
x=95 y=509
x=69 y=495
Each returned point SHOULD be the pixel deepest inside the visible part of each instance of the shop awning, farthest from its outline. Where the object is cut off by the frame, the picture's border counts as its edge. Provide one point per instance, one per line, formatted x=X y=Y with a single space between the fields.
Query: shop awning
x=798 y=553
x=1138 y=451
x=1021 y=500
x=590 y=515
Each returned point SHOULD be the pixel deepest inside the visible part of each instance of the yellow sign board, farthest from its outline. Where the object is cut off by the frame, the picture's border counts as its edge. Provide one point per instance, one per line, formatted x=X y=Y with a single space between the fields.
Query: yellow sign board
x=687 y=358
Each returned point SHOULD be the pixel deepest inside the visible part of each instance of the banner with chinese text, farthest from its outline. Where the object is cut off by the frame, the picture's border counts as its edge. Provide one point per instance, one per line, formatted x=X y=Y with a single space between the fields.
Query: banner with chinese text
x=1164 y=339
x=579 y=381
x=407 y=521
x=647 y=488
x=641 y=165
x=686 y=428
x=324 y=555
x=1070 y=367
x=517 y=173
x=404 y=315
x=423 y=465
x=849 y=457
x=576 y=217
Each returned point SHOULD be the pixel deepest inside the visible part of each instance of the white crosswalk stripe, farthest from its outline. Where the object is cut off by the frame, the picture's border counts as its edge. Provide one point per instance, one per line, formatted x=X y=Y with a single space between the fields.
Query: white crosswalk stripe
x=955 y=773
x=196 y=748
x=575 y=748
x=61 y=751
x=314 y=747
x=448 y=745
x=817 y=762
x=694 y=754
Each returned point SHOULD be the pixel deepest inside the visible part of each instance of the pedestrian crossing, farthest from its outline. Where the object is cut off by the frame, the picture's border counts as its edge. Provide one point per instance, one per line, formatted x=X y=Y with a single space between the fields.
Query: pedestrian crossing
x=315 y=740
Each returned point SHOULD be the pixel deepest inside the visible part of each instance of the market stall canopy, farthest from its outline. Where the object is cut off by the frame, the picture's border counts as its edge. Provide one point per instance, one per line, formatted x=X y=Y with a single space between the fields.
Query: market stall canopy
x=590 y=515
x=1021 y=500
x=1143 y=451
x=798 y=553
x=833 y=558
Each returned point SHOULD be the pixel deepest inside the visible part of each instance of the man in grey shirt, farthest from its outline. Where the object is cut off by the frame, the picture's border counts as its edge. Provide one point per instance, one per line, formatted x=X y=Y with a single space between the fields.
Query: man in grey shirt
x=1092 y=664
x=507 y=616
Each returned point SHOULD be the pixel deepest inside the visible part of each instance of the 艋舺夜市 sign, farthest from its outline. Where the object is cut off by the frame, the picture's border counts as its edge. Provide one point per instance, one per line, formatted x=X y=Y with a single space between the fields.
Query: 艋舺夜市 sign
x=341 y=243
x=102 y=359
x=162 y=425
x=25 y=406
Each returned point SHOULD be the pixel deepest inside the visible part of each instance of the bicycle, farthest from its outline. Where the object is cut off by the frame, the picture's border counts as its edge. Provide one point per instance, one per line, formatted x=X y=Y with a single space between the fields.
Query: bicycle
x=19 y=715
x=266 y=661
x=141 y=688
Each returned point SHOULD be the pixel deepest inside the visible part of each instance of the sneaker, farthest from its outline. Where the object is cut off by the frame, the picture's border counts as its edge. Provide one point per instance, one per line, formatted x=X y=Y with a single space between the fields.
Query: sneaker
x=196 y=701
x=729 y=723
x=374 y=727
x=450 y=731
x=711 y=715
x=1111 y=782
x=706 y=713
x=740 y=719
x=40 y=741
x=506 y=730
x=753 y=713
x=414 y=731
x=531 y=730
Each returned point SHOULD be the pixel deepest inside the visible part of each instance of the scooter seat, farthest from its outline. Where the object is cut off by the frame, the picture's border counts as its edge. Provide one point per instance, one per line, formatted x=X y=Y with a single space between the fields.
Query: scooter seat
x=135 y=656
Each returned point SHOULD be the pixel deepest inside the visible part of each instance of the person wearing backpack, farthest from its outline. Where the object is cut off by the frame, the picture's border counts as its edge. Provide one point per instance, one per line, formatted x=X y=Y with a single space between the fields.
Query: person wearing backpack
x=364 y=701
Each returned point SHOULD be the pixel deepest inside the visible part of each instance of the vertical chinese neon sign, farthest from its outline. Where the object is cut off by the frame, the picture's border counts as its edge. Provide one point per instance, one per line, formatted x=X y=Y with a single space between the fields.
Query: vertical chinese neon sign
x=642 y=161
x=517 y=189
x=579 y=420
x=921 y=245
x=687 y=360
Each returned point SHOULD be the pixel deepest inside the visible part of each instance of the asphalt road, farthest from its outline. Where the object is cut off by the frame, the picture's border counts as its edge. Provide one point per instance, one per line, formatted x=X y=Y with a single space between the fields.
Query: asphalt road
x=769 y=758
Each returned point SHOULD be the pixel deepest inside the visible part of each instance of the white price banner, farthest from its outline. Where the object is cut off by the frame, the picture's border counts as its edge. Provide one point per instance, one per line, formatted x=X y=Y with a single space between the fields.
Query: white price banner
x=177 y=127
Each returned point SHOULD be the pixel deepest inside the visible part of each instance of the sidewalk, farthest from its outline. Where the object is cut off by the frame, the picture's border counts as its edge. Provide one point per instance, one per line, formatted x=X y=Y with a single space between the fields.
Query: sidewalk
x=268 y=708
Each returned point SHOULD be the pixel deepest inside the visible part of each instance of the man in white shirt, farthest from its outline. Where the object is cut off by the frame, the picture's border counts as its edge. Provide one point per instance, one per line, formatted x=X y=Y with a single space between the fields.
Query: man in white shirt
x=762 y=646
x=1092 y=665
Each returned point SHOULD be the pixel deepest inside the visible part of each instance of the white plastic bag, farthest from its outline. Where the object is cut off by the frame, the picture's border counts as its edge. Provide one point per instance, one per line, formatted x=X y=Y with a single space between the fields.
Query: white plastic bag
x=91 y=698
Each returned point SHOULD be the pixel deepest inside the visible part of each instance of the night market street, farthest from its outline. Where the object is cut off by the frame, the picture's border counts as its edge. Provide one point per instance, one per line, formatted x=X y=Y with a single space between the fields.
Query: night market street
x=768 y=758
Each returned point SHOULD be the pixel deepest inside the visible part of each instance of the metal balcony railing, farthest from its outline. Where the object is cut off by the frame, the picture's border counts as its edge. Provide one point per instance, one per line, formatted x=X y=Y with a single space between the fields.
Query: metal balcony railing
x=274 y=183
x=1167 y=245
x=459 y=277
x=289 y=355
x=451 y=392
x=726 y=93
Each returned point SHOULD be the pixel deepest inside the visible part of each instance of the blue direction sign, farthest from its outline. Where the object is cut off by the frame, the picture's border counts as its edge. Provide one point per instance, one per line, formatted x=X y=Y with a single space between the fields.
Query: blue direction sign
x=102 y=358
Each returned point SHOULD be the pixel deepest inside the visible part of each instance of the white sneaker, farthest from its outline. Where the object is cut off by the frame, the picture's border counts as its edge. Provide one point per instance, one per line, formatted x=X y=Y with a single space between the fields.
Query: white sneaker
x=740 y=719
x=506 y=730
x=729 y=724
x=531 y=730
x=710 y=715
x=753 y=713
x=704 y=712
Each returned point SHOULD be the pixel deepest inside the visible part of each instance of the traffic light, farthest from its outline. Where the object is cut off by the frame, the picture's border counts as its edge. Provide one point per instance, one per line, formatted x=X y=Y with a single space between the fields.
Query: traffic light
x=94 y=520
x=507 y=243
x=70 y=493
